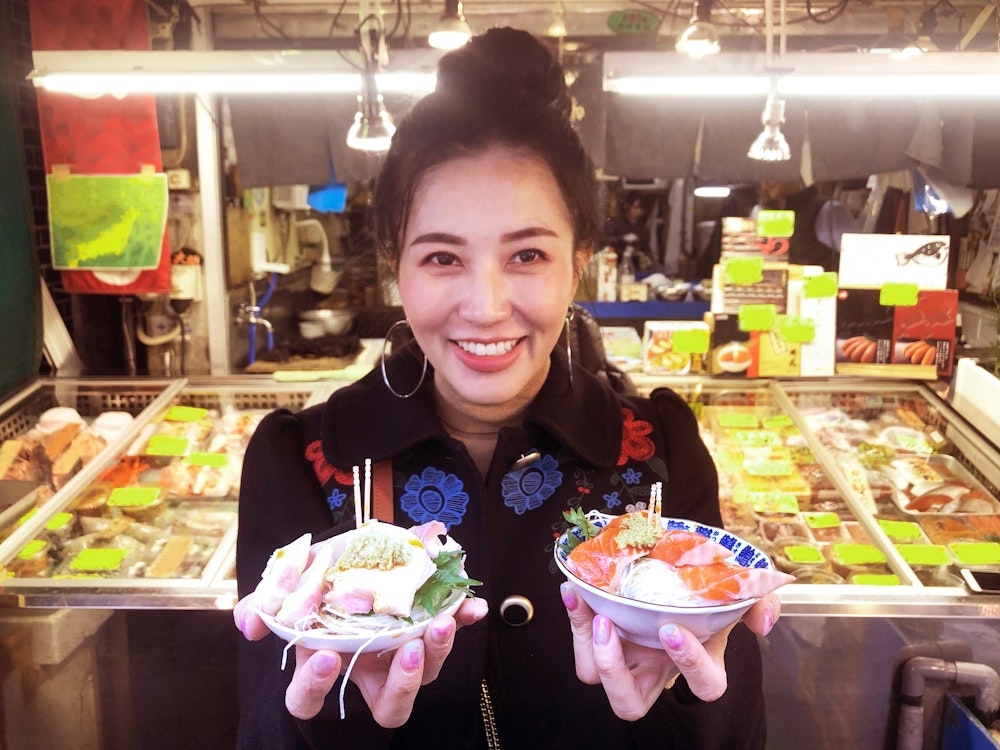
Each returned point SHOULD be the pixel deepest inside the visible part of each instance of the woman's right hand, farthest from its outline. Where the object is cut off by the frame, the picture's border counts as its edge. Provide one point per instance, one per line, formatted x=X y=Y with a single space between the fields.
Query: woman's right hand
x=388 y=682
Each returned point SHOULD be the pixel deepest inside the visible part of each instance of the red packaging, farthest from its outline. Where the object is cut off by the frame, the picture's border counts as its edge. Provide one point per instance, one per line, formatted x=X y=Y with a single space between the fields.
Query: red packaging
x=925 y=333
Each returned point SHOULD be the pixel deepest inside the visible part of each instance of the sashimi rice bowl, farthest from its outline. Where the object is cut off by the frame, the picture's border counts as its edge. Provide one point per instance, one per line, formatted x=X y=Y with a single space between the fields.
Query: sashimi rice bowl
x=643 y=571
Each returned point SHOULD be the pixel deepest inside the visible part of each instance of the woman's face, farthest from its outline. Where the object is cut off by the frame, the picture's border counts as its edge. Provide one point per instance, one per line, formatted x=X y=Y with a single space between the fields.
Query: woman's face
x=486 y=272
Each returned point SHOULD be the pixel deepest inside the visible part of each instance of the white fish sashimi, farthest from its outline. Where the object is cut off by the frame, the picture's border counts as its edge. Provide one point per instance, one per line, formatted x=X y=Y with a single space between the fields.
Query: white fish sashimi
x=269 y=596
x=308 y=595
x=366 y=580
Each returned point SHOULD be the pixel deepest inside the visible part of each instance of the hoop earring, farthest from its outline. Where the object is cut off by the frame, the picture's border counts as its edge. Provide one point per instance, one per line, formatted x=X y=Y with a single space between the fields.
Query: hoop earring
x=385 y=376
x=570 y=314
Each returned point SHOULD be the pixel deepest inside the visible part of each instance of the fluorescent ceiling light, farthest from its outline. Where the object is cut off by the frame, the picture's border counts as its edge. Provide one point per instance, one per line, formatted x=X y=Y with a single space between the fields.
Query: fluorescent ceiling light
x=806 y=75
x=712 y=191
x=689 y=86
x=216 y=72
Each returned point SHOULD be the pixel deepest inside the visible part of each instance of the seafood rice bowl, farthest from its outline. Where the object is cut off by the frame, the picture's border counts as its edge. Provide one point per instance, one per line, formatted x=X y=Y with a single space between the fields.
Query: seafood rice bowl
x=642 y=574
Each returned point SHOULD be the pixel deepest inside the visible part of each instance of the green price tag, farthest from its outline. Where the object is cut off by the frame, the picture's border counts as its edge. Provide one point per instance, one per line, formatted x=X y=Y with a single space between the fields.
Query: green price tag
x=822 y=520
x=214 y=460
x=875 y=579
x=821 y=285
x=803 y=555
x=768 y=468
x=756 y=438
x=99 y=559
x=900 y=531
x=31 y=549
x=758 y=317
x=693 y=341
x=133 y=497
x=185 y=414
x=774 y=502
x=27 y=516
x=924 y=554
x=58 y=521
x=976 y=553
x=777 y=421
x=741 y=421
x=744 y=271
x=897 y=294
x=858 y=554
x=167 y=445
x=796 y=329
x=772 y=223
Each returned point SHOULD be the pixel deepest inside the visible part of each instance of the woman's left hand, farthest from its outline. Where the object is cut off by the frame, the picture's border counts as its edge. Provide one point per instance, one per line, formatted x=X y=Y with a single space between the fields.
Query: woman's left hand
x=634 y=676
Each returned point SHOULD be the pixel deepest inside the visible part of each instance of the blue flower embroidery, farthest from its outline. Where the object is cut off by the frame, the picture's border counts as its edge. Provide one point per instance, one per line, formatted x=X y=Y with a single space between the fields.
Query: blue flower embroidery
x=613 y=500
x=434 y=495
x=528 y=488
x=336 y=499
x=631 y=476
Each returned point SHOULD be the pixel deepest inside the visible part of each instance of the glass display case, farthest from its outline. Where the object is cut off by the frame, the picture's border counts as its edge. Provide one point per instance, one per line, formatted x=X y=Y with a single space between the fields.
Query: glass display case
x=153 y=522
x=874 y=495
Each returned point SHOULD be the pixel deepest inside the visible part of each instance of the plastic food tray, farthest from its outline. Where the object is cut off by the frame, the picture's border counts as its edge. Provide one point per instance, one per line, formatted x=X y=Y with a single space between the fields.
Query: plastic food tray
x=946 y=474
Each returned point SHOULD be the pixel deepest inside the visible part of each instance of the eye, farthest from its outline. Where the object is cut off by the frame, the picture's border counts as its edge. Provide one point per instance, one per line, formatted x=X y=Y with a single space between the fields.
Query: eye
x=441 y=259
x=529 y=256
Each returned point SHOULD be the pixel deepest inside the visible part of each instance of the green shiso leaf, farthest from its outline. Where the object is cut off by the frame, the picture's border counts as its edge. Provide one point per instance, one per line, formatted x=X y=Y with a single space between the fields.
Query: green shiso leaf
x=444 y=581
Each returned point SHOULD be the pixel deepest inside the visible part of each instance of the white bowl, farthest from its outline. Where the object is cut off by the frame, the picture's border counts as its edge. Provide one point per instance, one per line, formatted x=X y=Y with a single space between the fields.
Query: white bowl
x=388 y=640
x=640 y=622
x=334 y=322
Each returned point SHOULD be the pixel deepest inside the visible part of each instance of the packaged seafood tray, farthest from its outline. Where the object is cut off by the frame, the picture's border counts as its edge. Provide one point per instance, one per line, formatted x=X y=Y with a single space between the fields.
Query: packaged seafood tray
x=53 y=429
x=177 y=542
x=938 y=483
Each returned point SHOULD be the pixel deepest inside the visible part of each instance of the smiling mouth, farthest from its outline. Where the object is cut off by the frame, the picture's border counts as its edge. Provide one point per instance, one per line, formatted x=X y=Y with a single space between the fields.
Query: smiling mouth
x=492 y=349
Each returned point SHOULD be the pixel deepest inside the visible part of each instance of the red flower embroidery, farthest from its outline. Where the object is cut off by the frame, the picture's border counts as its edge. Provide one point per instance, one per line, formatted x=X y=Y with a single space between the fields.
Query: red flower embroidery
x=635 y=444
x=323 y=469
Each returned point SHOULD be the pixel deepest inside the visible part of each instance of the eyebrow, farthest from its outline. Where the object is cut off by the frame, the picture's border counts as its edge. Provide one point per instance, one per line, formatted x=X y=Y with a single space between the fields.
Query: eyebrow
x=451 y=239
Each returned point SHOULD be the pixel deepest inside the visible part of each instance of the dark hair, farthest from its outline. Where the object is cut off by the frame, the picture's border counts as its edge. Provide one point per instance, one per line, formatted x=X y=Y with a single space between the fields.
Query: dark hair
x=503 y=88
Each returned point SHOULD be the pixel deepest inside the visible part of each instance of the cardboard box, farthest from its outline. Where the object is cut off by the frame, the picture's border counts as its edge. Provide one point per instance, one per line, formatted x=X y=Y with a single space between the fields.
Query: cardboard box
x=730 y=353
x=924 y=334
x=675 y=347
x=869 y=261
x=864 y=331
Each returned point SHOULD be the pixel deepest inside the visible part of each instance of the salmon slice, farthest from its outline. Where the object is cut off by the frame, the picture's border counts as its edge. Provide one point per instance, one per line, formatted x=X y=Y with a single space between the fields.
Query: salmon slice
x=681 y=547
x=600 y=560
x=726 y=582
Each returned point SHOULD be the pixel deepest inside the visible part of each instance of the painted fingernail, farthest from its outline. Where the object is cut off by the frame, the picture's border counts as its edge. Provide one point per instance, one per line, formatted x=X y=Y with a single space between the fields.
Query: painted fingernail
x=323 y=665
x=768 y=620
x=670 y=635
x=412 y=654
x=442 y=633
x=243 y=624
x=568 y=594
x=602 y=630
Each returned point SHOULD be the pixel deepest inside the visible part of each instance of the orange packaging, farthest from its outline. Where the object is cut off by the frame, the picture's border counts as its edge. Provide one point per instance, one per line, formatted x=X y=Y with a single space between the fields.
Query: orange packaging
x=924 y=334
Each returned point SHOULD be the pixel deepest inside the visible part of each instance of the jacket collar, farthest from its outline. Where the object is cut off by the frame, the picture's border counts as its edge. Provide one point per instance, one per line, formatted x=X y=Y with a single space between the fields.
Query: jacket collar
x=365 y=420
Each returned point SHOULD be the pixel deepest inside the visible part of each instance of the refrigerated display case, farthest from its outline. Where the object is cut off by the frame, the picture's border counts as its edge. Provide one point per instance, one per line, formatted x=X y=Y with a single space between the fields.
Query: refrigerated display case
x=150 y=522
x=875 y=495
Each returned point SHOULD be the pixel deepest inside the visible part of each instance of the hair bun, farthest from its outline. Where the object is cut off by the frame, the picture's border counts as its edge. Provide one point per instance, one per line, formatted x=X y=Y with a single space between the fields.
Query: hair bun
x=504 y=64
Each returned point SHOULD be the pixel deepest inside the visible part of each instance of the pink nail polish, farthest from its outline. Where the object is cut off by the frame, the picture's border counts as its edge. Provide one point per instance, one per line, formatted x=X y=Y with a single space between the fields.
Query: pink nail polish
x=412 y=653
x=672 y=636
x=602 y=630
x=323 y=665
x=568 y=594
x=768 y=620
x=442 y=633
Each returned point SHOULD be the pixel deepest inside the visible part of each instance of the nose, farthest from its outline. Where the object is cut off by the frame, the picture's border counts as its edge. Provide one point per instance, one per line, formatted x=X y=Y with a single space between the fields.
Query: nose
x=487 y=296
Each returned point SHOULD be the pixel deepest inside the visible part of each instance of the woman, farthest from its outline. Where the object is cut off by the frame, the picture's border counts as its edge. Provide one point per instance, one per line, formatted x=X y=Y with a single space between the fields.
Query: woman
x=486 y=210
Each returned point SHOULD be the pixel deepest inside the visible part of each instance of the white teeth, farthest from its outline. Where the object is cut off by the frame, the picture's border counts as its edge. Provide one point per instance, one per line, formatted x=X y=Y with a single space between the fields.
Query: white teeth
x=487 y=350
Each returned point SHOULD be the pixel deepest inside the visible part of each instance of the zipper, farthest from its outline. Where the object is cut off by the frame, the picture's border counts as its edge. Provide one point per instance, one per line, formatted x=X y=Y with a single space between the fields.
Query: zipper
x=489 y=717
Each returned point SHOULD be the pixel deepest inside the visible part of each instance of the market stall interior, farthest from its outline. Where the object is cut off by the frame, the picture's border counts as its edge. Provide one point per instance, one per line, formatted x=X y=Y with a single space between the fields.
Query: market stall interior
x=203 y=241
